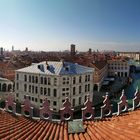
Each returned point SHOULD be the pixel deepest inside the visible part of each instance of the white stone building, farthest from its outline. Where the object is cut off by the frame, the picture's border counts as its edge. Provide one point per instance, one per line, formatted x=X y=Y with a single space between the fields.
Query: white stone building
x=6 y=86
x=54 y=81
x=118 y=67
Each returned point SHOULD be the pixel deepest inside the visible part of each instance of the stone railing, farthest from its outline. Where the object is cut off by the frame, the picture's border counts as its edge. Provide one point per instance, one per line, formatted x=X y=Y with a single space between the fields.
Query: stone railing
x=66 y=113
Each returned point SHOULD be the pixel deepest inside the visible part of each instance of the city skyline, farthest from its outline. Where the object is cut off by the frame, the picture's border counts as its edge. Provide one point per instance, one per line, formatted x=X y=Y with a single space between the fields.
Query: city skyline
x=52 y=25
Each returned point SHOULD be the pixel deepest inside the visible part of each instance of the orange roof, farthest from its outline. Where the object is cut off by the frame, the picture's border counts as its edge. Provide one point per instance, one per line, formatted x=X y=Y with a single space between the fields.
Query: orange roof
x=123 y=127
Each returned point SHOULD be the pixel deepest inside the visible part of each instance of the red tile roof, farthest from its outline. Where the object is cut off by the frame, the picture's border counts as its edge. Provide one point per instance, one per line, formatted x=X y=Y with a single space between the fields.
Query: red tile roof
x=123 y=127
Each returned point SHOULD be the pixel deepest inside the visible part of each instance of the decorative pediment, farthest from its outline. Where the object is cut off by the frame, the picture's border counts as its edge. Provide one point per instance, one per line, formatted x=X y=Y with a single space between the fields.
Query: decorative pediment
x=123 y=104
x=88 y=110
x=27 y=109
x=106 y=109
x=66 y=113
x=136 y=100
x=10 y=105
x=45 y=111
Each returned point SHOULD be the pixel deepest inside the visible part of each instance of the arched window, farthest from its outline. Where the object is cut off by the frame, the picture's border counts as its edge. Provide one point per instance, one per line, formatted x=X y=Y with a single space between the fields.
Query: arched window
x=4 y=87
x=9 y=87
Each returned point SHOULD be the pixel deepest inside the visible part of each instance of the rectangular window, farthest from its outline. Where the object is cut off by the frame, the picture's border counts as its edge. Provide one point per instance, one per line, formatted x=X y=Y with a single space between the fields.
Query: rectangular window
x=85 y=88
x=45 y=91
x=79 y=100
x=24 y=96
x=25 y=87
x=74 y=80
x=79 y=89
x=36 y=90
x=17 y=85
x=55 y=81
x=32 y=89
x=32 y=98
x=29 y=78
x=80 y=79
x=54 y=103
x=35 y=99
x=73 y=102
x=73 y=90
x=32 y=79
x=41 y=90
x=29 y=88
x=63 y=101
x=88 y=77
x=49 y=81
x=41 y=80
x=25 y=78
x=41 y=101
x=45 y=80
x=55 y=93
x=88 y=87
x=85 y=78
x=17 y=77
x=49 y=91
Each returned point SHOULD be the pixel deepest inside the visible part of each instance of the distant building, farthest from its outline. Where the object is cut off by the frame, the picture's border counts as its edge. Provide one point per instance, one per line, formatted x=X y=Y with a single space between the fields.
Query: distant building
x=132 y=55
x=1 y=54
x=73 y=51
x=101 y=72
x=5 y=87
x=12 y=48
x=118 y=67
x=26 y=49
x=54 y=81
x=90 y=51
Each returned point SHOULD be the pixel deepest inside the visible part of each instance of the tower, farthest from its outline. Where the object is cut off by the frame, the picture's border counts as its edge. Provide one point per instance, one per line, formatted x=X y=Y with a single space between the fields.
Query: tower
x=90 y=51
x=1 y=51
x=73 y=52
x=12 y=48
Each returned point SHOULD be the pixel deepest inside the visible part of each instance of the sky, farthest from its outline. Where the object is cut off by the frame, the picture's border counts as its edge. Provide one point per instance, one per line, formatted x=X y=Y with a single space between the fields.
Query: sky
x=52 y=25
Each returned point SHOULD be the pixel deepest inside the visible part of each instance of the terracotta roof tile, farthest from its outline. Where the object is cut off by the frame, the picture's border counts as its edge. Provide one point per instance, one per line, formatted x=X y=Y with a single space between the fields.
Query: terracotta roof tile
x=123 y=127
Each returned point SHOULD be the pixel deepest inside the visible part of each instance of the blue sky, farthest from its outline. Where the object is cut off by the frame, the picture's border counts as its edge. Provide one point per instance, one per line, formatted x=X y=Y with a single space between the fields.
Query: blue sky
x=55 y=24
